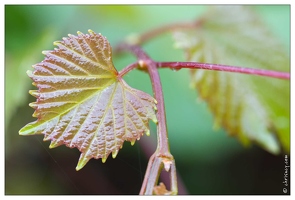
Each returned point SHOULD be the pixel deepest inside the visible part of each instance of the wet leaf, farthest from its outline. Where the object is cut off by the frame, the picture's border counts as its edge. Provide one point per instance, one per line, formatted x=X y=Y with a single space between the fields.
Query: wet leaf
x=83 y=103
x=249 y=107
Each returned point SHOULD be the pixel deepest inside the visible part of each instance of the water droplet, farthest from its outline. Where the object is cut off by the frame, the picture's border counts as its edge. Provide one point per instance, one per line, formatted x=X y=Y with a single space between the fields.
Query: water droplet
x=175 y=69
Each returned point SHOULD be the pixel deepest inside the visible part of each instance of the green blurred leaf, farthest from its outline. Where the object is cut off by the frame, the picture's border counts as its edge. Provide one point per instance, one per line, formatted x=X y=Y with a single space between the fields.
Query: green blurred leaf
x=16 y=78
x=249 y=107
x=83 y=103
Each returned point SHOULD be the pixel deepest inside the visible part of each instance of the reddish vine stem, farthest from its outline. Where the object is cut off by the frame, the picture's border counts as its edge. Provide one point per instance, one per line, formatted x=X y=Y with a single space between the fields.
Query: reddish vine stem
x=226 y=68
x=168 y=28
x=195 y=65
x=127 y=69
x=162 y=156
x=216 y=67
x=146 y=62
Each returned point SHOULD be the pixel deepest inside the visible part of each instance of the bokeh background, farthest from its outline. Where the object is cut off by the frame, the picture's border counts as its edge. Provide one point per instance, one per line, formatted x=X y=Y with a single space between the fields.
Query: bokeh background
x=208 y=161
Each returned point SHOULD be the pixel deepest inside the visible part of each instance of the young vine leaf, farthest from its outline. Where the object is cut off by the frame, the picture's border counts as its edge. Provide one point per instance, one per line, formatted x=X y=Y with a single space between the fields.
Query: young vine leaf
x=82 y=101
x=249 y=107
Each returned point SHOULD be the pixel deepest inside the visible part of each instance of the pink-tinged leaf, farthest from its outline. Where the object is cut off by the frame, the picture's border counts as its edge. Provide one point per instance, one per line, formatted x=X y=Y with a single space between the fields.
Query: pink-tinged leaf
x=249 y=107
x=83 y=103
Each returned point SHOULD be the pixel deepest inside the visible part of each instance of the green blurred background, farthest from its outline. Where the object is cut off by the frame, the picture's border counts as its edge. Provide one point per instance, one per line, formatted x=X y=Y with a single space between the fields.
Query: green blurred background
x=208 y=161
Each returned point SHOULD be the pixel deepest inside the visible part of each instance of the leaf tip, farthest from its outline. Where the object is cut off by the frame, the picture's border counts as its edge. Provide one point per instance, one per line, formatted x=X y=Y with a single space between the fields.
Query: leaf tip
x=270 y=143
x=29 y=73
x=21 y=132
x=56 y=43
x=91 y=31
x=82 y=162
x=46 y=52
x=52 y=145
x=34 y=93
x=78 y=32
x=115 y=153
x=155 y=120
x=81 y=165
x=78 y=168
x=33 y=105
x=27 y=130
x=104 y=159
x=132 y=142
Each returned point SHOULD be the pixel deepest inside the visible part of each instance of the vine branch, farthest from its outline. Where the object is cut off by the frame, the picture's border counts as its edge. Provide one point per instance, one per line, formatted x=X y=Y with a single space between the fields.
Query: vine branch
x=226 y=68
x=168 y=28
x=162 y=157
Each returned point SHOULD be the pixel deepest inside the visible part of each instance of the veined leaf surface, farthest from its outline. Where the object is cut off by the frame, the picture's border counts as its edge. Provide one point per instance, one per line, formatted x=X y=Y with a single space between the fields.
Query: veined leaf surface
x=249 y=107
x=83 y=103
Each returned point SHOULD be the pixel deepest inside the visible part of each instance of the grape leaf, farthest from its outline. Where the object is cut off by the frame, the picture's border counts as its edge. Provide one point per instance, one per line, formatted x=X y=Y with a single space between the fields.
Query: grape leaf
x=83 y=103
x=249 y=107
